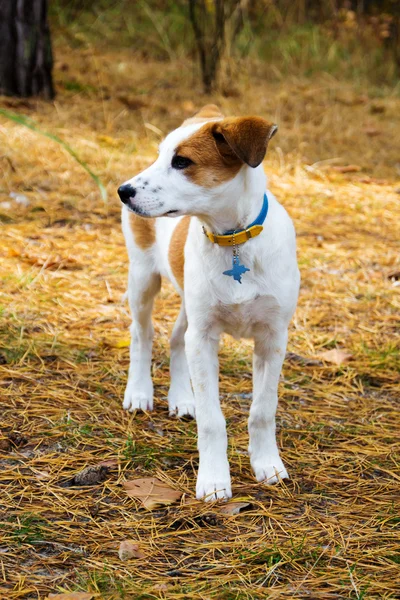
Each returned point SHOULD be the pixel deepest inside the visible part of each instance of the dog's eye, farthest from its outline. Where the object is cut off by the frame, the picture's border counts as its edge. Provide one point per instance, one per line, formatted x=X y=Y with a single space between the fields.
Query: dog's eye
x=180 y=162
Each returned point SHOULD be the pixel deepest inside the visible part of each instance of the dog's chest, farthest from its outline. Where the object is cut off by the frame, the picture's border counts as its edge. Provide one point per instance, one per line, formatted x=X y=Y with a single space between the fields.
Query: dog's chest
x=244 y=320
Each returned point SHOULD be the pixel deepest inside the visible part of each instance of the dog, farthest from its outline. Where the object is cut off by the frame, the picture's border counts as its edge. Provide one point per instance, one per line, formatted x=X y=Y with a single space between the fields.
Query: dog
x=230 y=252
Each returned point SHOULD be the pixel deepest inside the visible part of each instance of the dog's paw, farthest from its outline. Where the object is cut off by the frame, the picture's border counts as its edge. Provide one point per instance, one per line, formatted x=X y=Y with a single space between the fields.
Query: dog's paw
x=138 y=399
x=209 y=490
x=270 y=471
x=186 y=409
x=181 y=405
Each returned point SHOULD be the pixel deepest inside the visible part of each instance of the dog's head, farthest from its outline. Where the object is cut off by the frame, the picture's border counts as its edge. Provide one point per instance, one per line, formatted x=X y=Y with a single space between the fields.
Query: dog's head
x=196 y=164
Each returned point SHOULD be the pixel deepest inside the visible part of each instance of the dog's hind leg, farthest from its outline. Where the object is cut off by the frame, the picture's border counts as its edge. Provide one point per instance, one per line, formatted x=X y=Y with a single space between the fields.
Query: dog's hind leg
x=269 y=353
x=143 y=285
x=180 y=395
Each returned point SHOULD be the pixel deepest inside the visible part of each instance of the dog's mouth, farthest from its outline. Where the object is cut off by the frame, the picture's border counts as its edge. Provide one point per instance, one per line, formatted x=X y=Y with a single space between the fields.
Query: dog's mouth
x=144 y=213
x=137 y=211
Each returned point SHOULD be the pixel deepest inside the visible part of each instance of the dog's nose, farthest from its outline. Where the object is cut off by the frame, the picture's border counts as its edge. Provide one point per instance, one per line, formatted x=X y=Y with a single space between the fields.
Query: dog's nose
x=126 y=192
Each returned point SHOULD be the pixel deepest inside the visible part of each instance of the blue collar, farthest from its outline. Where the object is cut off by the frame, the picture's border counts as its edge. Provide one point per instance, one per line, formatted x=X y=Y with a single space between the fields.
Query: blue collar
x=258 y=221
x=237 y=237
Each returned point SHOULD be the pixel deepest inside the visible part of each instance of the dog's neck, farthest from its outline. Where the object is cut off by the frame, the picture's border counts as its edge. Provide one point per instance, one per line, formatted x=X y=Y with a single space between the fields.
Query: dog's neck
x=239 y=203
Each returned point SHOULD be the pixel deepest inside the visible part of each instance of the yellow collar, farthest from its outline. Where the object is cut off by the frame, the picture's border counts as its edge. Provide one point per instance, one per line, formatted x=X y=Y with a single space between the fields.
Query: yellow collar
x=234 y=239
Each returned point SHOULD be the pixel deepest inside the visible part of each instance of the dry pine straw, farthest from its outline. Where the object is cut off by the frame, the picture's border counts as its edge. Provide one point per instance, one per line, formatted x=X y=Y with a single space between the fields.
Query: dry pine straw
x=332 y=530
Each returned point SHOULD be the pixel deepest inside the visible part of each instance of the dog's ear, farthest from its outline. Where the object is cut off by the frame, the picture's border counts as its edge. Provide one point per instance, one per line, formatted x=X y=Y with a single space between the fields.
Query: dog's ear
x=244 y=137
x=209 y=111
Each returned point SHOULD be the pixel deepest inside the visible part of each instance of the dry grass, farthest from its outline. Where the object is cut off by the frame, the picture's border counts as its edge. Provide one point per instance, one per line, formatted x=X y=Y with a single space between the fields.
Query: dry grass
x=332 y=531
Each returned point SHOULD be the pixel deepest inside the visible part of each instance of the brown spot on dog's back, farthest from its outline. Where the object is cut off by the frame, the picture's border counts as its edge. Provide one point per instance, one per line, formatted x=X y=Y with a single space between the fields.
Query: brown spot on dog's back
x=144 y=231
x=176 y=252
x=209 y=111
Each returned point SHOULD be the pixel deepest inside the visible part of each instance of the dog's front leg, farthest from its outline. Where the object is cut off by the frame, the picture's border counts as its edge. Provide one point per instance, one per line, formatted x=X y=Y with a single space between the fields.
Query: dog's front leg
x=142 y=287
x=213 y=479
x=269 y=353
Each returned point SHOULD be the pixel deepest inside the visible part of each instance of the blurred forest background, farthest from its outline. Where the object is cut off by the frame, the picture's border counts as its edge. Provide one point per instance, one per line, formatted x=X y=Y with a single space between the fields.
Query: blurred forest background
x=76 y=122
x=346 y=38
x=300 y=60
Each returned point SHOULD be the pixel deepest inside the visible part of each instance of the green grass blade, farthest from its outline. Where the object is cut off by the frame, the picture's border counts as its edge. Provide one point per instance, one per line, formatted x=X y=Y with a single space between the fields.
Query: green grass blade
x=26 y=122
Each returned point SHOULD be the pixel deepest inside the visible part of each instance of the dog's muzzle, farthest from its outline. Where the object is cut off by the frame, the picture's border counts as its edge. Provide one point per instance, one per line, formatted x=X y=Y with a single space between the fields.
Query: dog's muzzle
x=126 y=192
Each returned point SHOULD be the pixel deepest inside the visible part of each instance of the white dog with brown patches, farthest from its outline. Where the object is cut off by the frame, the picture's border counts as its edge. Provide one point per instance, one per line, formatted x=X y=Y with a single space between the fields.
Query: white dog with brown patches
x=231 y=255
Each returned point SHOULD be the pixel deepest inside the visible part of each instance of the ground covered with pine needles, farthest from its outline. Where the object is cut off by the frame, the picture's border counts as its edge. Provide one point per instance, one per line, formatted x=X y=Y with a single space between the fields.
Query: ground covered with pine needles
x=332 y=531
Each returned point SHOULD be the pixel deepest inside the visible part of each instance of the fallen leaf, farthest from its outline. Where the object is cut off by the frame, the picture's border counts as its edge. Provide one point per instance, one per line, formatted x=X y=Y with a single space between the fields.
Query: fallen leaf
x=46 y=261
x=124 y=343
x=161 y=587
x=91 y=475
x=151 y=492
x=302 y=360
x=372 y=132
x=71 y=596
x=347 y=169
x=374 y=180
x=335 y=356
x=129 y=549
x=234 y=508
x=41 y=475
x=5 y=445
x=187 y=501
x=110 y=464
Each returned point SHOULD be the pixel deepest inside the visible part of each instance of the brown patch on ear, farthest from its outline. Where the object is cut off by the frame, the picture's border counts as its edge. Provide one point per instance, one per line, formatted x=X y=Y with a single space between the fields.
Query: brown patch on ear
x=209 y=111
x=176 y=252
x=213 y=161
x=246 y=137
x=144 y=231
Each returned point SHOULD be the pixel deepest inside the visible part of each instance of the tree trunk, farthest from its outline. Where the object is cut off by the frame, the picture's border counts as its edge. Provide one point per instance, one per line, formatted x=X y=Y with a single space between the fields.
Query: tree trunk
x=26 y=60
x=209 y=20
